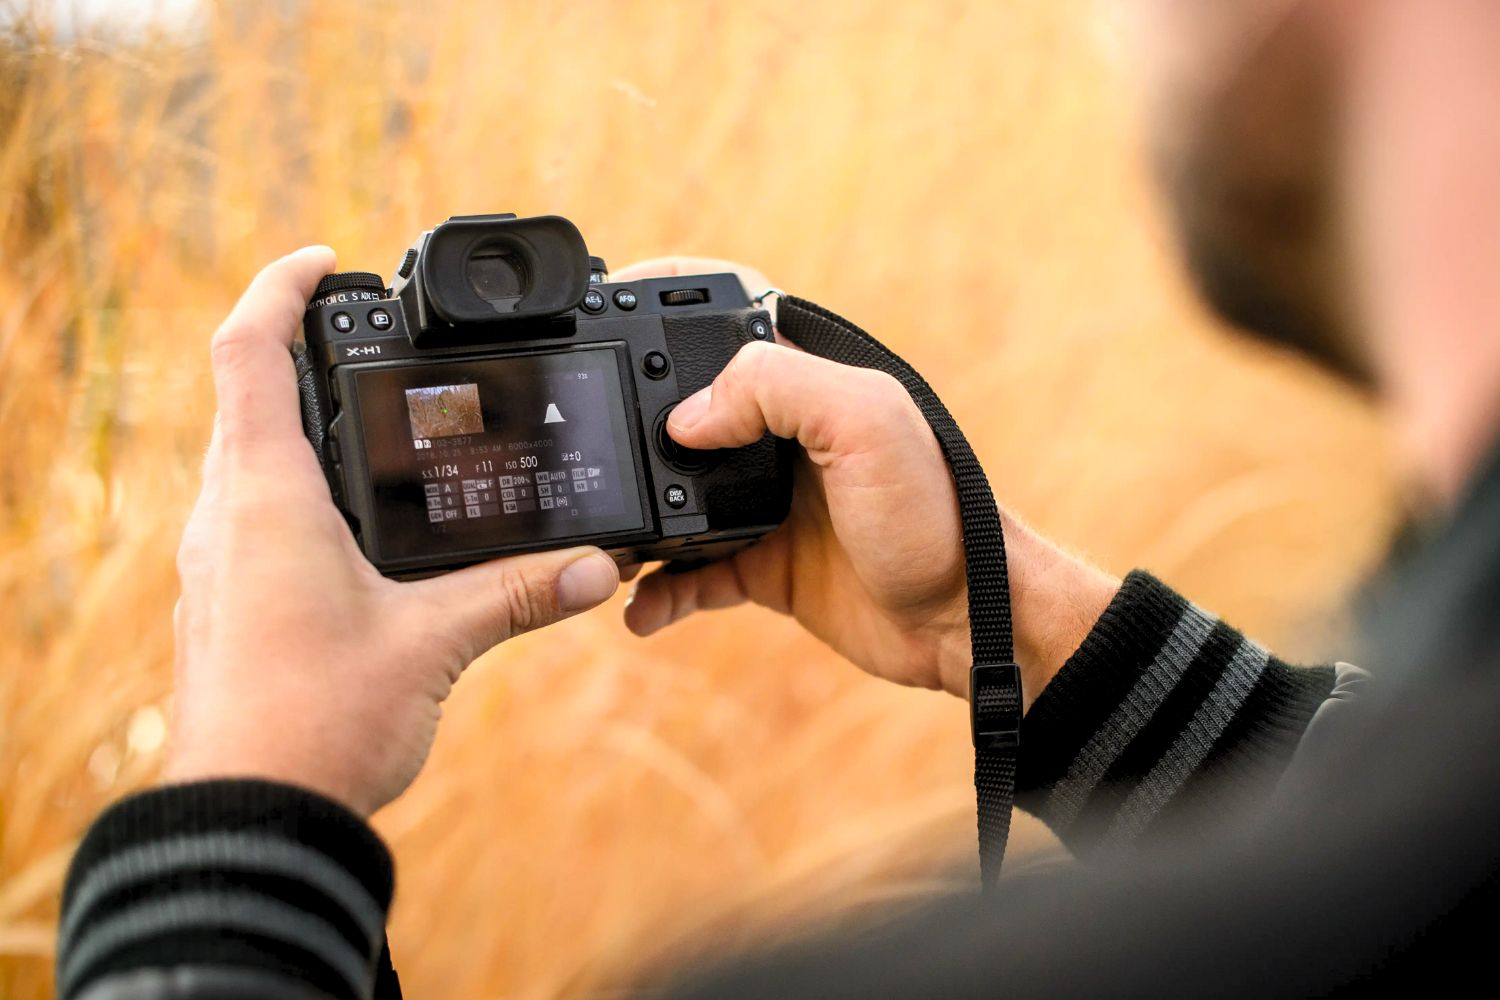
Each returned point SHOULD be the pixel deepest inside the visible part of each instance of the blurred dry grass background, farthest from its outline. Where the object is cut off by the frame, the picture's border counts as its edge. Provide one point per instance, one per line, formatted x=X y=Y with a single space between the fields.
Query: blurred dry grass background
x=963 y=178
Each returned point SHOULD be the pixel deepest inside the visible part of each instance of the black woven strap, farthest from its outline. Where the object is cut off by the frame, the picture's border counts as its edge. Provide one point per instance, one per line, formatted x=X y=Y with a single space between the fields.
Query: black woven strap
x=994 y=680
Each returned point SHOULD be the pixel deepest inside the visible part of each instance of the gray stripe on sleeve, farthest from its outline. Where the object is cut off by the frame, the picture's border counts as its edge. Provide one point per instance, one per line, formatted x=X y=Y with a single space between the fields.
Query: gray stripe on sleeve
x=1192 y=746
x=184 y=981
x=250 y=852
x=235 y=911
x=1068 y=796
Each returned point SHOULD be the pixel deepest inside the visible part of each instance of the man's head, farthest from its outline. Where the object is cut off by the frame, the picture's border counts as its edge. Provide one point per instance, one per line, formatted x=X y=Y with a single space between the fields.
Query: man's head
x=1334 y=171
x=1242 y=102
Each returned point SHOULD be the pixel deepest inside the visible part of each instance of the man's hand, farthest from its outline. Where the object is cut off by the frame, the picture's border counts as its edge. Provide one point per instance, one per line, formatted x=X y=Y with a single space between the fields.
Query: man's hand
x=871 y=558
x=296 y=660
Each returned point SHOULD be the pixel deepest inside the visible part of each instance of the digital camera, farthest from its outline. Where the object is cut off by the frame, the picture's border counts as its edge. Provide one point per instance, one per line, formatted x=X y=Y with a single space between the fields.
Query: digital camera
x=502 y=396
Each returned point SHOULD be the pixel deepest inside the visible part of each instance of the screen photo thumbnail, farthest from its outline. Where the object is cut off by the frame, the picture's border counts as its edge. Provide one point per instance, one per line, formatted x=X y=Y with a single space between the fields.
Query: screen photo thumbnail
x=444 y=410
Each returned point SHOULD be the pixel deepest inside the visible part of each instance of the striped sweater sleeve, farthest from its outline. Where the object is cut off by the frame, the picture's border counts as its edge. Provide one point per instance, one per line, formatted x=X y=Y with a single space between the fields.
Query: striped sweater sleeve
x=281 y=890
x=1163 y=715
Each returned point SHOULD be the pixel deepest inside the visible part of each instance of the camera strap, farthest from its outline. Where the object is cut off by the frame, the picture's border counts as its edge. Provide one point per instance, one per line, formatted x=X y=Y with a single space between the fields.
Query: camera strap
x=994 y=678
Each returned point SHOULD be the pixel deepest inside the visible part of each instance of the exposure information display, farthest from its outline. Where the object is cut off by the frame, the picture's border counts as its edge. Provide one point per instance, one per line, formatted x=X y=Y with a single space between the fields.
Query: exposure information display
x=471 y=454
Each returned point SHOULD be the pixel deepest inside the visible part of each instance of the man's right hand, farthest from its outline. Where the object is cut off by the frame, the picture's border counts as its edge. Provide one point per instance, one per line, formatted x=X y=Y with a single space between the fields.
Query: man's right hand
x=871 y=558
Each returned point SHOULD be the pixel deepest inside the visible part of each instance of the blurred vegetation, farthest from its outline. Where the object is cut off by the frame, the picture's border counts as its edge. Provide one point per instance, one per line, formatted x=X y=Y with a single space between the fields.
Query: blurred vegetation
x=963 y=178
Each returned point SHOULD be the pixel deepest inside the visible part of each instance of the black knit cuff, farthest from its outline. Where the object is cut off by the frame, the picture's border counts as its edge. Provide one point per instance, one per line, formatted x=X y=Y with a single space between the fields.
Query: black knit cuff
x=1161 y=706
x=246 y=874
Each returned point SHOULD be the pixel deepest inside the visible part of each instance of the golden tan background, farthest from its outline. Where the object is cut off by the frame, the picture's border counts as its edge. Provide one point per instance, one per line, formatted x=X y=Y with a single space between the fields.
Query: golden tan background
x=962 y=178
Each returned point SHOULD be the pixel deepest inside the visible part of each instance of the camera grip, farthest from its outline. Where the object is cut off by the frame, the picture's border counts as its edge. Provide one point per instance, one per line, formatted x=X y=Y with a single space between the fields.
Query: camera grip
x=701 y=344
x=314 y=411
x=750 y=485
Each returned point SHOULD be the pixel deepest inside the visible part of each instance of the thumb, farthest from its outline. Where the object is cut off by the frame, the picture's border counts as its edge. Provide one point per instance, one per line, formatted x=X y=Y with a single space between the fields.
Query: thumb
x=829 y=408
x=487 y=604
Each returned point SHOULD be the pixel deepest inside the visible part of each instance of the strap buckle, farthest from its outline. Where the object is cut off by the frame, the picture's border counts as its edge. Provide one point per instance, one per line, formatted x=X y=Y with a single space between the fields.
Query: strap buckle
x=995 y=705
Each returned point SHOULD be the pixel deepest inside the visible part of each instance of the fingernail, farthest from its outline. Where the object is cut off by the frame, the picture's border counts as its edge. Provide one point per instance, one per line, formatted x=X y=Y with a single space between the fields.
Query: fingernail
x=587 y=582
x=691 y=410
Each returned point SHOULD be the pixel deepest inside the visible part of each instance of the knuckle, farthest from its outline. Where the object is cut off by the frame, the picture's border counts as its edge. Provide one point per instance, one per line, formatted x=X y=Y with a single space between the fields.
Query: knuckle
x=187 y=555
x=527 y=603
x=745 y=377
x=227 y=348
x=888 y=399
x=883 y=388
x=750 y=363
x=185 y=564
x=191 y=549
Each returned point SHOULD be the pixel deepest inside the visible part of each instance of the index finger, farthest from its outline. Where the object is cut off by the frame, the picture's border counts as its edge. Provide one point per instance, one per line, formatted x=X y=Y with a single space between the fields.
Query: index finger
x=253 y=372
x=672 y=267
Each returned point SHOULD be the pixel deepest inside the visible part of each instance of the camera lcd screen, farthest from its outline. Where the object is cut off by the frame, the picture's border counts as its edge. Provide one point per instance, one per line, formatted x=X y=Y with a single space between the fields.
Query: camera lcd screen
x=467 y=455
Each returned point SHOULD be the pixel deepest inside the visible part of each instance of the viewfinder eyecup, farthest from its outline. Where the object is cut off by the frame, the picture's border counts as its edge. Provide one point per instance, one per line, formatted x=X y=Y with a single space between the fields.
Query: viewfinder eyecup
x=480 y=268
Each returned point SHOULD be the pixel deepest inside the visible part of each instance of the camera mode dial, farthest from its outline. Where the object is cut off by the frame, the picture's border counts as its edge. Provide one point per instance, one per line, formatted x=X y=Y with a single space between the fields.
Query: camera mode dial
x=348 y=286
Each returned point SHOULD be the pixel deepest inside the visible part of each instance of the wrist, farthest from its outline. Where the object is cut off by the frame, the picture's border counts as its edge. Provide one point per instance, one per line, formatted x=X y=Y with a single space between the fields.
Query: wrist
x=1056 y=600
x=280 y=762
x=180 y=773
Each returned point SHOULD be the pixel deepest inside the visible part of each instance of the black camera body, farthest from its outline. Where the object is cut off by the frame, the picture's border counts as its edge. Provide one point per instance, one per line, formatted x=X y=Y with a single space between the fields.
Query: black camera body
x=502 y=396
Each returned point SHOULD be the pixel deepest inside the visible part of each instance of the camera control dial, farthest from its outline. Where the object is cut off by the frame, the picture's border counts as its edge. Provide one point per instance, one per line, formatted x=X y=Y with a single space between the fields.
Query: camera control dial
x=684 y=297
